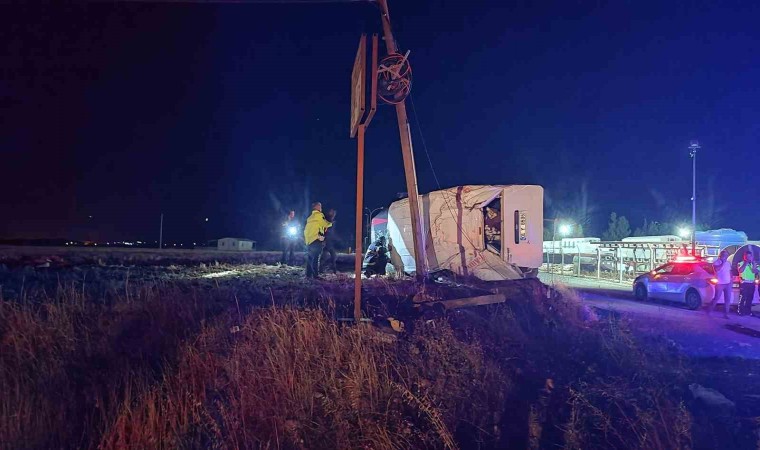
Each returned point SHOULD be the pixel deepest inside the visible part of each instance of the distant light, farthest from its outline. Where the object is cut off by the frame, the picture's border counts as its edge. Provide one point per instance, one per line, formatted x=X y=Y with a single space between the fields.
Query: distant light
x=194 y=243
x=206 y=219
x=684 y=232
x=565 y=229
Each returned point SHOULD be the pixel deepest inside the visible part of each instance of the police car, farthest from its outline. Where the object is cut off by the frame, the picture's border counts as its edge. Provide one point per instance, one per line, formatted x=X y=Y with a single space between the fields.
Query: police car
x=687 y=279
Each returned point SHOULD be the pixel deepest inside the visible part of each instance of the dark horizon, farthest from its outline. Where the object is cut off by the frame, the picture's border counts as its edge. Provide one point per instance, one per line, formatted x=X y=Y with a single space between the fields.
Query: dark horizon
x=239 y=112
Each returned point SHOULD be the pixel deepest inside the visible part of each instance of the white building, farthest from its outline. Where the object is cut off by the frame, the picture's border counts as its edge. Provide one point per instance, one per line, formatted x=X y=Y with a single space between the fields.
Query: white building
x=235 y=244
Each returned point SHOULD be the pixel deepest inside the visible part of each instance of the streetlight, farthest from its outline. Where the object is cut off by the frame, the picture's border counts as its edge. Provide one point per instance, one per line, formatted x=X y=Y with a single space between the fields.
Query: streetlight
x=693 y=147
x=684 y=232
x=565 y=229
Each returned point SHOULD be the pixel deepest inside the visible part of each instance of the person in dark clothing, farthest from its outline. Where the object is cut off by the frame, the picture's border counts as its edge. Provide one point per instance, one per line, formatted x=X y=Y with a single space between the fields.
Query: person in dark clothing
x=748 y=272
x=290 y=239
x=329 y=255
x=377 y=258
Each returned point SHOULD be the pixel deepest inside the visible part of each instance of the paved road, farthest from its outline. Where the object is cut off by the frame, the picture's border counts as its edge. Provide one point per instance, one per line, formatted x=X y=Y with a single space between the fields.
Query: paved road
x=694 y=331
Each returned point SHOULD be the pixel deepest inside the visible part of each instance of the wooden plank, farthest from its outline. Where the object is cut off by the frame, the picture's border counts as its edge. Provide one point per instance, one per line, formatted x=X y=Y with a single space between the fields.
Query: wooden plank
x=472 y=301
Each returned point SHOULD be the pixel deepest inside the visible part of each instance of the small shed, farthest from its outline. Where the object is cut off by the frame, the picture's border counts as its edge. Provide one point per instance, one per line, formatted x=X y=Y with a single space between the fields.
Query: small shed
x=233 y=244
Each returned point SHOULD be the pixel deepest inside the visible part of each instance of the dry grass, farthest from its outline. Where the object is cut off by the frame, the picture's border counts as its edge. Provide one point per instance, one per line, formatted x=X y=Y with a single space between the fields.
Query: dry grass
x=201 y=364
x=67 y=360
x=294 y=379
x=586 y=383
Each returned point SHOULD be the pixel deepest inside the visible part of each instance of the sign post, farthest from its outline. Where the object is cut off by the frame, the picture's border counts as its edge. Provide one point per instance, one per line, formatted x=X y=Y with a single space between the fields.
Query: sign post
x=359 y=124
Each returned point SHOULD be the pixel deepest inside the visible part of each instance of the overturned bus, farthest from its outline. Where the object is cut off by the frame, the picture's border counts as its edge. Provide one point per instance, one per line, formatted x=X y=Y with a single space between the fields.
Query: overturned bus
x=489 y=232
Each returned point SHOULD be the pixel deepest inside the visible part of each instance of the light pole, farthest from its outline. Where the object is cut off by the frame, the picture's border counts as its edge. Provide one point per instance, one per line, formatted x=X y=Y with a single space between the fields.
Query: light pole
x=693 y=147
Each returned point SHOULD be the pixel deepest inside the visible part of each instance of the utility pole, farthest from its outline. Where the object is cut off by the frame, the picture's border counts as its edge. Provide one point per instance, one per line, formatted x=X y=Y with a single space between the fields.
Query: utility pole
x=161 y=233
x=693 y=147
x=408 y=155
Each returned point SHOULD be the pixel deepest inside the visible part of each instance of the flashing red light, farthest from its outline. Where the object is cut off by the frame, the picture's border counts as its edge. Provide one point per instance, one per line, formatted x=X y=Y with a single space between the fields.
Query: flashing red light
x=686 y=258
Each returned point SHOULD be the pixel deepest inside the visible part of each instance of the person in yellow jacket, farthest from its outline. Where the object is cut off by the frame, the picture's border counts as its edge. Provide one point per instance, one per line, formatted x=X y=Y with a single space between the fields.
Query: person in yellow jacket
x=314 y=237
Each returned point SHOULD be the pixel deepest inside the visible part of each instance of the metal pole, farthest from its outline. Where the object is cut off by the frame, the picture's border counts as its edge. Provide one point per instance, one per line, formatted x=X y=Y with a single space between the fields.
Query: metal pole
x=694 y=146
x=359 y=209
x=554 y=243
x=561 y=259
x=598 y=263
x=620 y=263
x=369 y=228
x=408 y=155
x=694 y=202
x=161 y=233
x=579 y=261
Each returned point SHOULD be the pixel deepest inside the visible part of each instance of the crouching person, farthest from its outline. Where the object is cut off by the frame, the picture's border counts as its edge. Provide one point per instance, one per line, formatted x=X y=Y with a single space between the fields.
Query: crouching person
x=377 y=258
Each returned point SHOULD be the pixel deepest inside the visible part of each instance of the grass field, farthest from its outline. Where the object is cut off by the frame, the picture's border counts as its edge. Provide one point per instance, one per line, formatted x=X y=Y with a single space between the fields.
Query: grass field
x=15 y=256
x=131 y=354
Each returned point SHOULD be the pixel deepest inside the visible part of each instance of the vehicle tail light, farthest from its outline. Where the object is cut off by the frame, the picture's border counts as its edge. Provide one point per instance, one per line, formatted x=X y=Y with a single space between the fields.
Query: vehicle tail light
x=713 y=281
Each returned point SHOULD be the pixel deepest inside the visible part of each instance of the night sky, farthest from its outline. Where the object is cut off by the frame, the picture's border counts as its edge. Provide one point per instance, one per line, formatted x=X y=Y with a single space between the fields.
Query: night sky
x=239 y=112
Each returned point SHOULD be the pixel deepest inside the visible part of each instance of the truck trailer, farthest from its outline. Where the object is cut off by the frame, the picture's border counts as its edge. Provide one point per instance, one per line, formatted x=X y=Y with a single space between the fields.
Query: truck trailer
x=491 y=232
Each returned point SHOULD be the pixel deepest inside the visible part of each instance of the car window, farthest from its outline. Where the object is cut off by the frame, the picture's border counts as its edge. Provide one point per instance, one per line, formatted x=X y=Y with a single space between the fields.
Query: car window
x=667 y=268
x=707 y=267
x=683 y=269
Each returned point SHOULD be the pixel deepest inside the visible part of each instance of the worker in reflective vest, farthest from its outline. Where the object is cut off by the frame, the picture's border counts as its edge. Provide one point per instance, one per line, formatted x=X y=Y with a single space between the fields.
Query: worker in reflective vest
x=748 y=274
x=314 y=237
